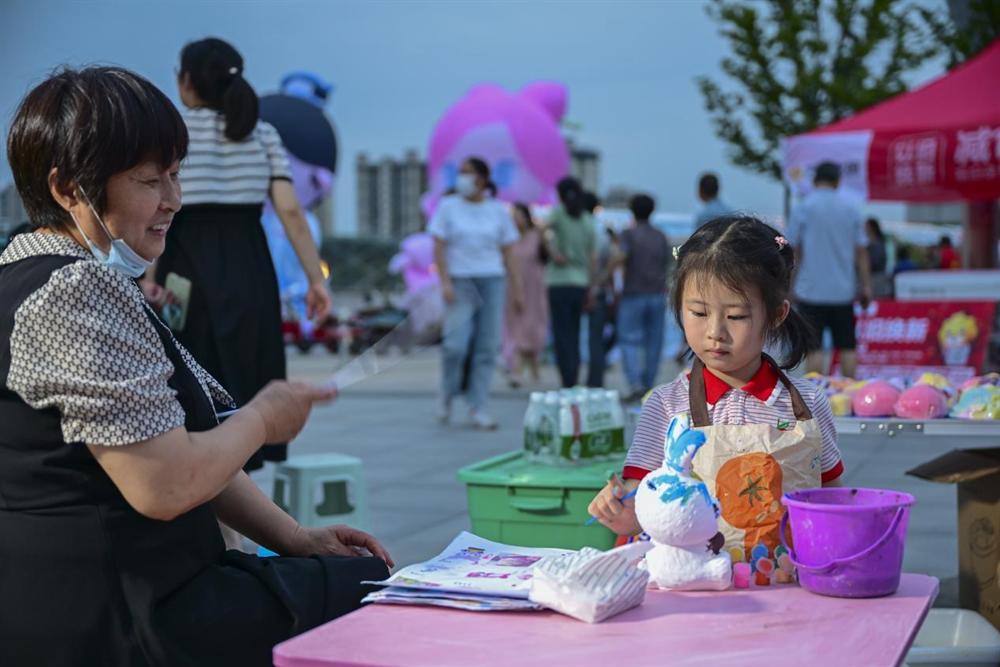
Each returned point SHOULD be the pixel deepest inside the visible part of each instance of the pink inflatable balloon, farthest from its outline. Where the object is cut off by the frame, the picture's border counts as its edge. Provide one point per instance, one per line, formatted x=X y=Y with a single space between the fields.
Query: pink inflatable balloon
x=516 y=133
x=921 y=401
x=875 y=399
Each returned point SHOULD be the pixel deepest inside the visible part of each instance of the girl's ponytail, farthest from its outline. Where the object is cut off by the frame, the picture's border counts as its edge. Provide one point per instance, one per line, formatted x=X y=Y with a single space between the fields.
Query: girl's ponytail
x=240 y=108
x=794 y=334
x=215 y=70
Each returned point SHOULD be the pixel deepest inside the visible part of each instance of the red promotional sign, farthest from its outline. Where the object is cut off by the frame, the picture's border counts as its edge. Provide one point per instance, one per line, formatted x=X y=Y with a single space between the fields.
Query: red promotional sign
x=907 y=338
x=961 y=163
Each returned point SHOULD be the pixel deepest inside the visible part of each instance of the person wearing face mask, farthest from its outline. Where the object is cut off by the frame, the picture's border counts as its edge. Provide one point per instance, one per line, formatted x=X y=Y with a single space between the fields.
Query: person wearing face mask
x=473 y=237
x=233 y=321
x=114 y=468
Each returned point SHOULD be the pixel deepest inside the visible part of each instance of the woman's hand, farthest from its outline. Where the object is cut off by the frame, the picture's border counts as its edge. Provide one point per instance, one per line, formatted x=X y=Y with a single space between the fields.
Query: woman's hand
x=284 y=406
x=612 y=512
x=318 y=302
x=155 y=294
x=337 y=540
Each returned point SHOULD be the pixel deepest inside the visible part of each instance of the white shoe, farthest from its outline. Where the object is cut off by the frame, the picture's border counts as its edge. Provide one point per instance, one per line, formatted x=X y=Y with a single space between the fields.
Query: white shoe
x=444 y=410
x=483 y=421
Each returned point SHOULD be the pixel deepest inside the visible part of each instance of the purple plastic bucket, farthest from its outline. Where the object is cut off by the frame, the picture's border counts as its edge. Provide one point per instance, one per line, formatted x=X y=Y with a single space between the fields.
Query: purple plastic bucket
x=848 y=542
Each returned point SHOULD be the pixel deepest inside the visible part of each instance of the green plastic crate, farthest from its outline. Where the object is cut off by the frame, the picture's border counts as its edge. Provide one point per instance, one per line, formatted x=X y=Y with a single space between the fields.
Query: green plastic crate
x=530 y=504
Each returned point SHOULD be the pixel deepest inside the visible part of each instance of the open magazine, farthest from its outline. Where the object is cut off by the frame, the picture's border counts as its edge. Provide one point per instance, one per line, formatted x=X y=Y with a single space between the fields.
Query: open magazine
x=471 y=573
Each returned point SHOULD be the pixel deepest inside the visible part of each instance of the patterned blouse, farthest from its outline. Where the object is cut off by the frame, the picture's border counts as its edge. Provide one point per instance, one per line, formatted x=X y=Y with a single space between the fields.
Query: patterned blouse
x=85 y=345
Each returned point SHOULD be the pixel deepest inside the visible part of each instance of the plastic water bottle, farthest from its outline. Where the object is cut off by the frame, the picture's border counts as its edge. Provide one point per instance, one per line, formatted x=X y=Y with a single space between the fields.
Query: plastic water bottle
x=618 y=444
x=570 y=445
x=532 y=443
x=547 y=429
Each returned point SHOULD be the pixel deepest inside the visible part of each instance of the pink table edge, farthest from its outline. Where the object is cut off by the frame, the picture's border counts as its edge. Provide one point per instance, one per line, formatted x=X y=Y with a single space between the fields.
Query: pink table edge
x=300 y=651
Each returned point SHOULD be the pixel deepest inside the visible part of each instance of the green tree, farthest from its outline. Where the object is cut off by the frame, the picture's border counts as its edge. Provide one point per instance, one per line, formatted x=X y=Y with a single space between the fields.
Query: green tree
x=969 y=28
x=800 y=64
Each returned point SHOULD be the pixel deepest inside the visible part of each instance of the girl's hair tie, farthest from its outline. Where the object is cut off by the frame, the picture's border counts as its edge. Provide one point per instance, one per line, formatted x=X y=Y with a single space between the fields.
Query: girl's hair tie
x=677 y=252
x=781 y=241
x=234 y=70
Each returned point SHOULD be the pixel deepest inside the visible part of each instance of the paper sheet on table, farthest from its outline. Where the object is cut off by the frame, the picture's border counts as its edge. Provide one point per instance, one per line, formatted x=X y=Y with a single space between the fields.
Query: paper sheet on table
x=472 y=564
x=397 y=595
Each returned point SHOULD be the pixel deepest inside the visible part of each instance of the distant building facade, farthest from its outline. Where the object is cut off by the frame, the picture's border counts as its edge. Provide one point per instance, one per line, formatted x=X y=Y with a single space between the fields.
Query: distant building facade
x=585 y=166
x=389 y=194
x=618 y=196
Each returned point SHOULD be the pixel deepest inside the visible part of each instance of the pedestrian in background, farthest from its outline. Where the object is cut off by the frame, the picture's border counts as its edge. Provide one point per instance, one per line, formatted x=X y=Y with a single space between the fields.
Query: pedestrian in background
x=572 y=249
x=525 y=329
x=708 y=194
x=878 y=259
x=645 y=256
x=235 y=161
x=832 y=268
x=473 y=241
x=947 y=256
x=600 y=313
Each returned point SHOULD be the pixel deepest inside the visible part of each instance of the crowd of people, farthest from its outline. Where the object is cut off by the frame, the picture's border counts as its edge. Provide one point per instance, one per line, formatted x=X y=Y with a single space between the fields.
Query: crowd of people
x=509 y=281
x=568 y=270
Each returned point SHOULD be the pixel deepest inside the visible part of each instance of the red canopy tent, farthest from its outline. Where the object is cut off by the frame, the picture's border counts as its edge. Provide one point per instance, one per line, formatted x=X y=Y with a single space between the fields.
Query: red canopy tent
x=939 y=142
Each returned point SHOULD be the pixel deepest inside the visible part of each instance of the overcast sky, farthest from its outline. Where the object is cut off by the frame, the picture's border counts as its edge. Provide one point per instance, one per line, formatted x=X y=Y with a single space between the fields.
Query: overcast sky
x=397 y=65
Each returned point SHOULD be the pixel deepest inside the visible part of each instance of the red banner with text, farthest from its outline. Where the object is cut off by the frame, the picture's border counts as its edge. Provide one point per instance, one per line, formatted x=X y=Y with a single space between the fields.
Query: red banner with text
x=907 y=338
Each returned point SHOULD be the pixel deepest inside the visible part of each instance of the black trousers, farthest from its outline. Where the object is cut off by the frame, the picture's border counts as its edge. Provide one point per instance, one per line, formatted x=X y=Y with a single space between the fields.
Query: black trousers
x=566 y=307
x=598 y=347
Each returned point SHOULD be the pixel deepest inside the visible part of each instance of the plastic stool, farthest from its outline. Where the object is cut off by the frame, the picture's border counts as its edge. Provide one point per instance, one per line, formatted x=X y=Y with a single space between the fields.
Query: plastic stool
x=322 y=489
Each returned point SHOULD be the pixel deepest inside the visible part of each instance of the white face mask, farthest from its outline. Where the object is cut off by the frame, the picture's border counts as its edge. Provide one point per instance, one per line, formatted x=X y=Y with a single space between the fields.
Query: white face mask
x=465 y=185
x=121 y=257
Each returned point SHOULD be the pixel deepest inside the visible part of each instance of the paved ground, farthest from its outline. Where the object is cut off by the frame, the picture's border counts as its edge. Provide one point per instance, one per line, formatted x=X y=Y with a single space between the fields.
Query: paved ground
x=417 y=504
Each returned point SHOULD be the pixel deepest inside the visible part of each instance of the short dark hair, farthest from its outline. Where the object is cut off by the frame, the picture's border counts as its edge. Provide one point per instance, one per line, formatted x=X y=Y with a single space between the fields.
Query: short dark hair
x=89 y=124
x=571 y=196
x=873 y=224
x=590 y=201
x=216 y=71
x=744 y=254
x=827 y=172
x=642 y=206
x=708 y=185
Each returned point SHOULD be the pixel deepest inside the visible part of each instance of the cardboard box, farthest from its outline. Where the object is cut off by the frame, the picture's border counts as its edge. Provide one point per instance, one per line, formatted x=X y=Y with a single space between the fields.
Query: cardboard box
x=977 y=473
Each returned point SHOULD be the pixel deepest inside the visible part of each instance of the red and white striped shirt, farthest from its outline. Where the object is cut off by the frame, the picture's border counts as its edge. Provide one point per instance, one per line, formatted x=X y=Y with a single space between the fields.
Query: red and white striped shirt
x=763 y=400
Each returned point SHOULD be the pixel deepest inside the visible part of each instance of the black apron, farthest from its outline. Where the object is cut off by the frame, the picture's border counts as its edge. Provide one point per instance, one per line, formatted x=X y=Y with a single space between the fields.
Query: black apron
x=233 y=327
x=86 y=580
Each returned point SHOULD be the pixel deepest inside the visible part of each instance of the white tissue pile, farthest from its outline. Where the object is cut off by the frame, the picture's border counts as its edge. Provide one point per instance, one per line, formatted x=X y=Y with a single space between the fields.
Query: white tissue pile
x=592 y=585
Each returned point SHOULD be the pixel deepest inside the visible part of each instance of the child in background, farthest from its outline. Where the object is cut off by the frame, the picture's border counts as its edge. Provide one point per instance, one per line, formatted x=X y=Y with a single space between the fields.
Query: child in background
x=770 y=434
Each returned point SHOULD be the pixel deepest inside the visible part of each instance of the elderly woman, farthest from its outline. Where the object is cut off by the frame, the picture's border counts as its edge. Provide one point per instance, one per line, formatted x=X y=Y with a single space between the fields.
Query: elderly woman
x=114 y=468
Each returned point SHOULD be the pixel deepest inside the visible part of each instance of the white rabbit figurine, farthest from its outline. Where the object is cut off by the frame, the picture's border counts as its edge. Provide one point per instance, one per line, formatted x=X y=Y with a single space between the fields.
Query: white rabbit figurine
x=679 y=514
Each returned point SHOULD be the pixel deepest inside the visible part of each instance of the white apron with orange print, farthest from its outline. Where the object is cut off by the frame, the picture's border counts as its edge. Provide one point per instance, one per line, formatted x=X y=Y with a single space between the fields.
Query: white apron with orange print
x=748 y=467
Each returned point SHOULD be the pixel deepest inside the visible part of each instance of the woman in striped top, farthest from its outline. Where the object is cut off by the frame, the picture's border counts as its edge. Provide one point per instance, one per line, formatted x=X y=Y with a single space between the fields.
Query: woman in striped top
x=235 y=161
x=730 y=297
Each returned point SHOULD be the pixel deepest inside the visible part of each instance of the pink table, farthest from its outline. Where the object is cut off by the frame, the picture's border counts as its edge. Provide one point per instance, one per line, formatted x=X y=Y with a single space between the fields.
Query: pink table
x=781 y=625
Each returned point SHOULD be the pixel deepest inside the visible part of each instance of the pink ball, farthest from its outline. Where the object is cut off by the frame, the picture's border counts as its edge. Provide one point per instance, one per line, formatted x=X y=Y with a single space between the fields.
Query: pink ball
x=921 y=401
x=875 y=399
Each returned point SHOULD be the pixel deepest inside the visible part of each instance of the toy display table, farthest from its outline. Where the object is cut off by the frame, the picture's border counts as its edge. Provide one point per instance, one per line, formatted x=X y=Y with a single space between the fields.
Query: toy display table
x=773 y=626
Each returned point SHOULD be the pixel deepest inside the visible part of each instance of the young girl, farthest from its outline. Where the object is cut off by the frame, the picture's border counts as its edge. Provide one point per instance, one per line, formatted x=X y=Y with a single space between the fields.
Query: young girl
x=765 y=432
